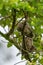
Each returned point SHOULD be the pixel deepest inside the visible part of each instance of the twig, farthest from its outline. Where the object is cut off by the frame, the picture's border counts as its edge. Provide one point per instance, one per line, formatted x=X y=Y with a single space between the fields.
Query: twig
x=19 y=62
x=5 y=17
x=19 y=21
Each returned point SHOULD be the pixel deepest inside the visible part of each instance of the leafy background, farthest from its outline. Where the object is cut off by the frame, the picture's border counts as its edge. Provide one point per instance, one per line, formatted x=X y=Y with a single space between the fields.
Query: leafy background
x=35 y=14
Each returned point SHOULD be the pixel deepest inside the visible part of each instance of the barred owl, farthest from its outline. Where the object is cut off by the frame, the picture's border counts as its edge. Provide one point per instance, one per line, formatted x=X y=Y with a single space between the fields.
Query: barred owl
x=29 y=44
x=27 y=30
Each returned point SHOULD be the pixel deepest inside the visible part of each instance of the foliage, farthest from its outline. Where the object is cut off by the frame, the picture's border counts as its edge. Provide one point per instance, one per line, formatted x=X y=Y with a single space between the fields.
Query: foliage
x=12 y=12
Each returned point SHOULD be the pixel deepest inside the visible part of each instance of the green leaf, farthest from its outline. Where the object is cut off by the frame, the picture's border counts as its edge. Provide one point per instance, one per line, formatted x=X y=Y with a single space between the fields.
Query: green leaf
x=9 y=44
x=41 y=61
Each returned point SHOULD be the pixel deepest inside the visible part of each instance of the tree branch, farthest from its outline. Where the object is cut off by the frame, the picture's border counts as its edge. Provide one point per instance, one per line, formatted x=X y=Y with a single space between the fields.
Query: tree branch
x=13 y=24
x=9 y=39
x=26 y=54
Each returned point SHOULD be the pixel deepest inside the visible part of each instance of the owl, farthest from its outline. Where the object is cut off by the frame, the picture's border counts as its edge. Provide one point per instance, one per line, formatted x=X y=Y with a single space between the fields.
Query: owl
x=27 y=30
x=29 y=44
